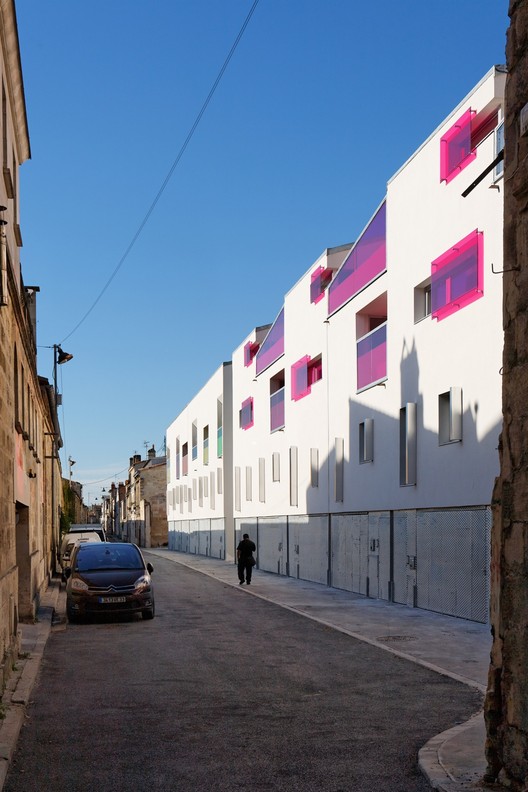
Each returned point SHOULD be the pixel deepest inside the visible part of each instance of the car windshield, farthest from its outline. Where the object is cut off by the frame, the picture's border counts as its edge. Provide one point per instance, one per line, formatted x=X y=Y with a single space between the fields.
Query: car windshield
x=103 y=556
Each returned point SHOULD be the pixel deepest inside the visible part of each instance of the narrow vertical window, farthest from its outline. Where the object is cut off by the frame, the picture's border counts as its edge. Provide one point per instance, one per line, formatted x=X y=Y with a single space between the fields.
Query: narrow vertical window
x=366 y=441
x=185 y=459
x=237 y=489
x=212 y=490
x=294 y=477
x=450 y=416
x=194 y=440
x=339 y=469
x=408 y=445
x=200 y=491
x=219 y=481
x=314 y=467
x=219 y=430
x=205 y=449
x=249 y=483
x=262 y=480
x=275 y=466
x=277 y=420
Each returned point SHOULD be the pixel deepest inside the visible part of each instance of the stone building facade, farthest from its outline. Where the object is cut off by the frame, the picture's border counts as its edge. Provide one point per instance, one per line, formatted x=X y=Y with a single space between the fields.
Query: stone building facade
x=140 y=513
x=29 y=434
x=507 y=697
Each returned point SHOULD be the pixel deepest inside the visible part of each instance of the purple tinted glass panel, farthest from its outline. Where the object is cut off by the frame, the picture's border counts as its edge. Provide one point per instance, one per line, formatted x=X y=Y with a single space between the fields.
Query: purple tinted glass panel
x=273 y=345
x=277 y=410
x=246 y=413
x=372 y=357
x=299 y=379
x=455 y=148
x=366 y=260
x=457 y=276
x=318 y=283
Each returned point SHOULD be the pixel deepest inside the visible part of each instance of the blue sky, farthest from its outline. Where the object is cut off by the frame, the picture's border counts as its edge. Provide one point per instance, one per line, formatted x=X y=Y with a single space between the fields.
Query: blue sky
x=320 y=105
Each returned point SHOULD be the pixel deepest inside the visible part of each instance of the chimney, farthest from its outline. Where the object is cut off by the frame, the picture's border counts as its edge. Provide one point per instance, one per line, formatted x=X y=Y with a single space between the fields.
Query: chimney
x=152 y=453
x=137 y=459
x=130 y=462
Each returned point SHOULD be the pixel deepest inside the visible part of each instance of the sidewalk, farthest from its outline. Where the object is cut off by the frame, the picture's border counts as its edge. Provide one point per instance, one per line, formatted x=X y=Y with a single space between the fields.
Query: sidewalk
x=452 y=761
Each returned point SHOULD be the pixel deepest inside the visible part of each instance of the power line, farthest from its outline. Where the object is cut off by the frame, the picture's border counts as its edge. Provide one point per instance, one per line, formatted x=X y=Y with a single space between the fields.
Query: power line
x=169 y=174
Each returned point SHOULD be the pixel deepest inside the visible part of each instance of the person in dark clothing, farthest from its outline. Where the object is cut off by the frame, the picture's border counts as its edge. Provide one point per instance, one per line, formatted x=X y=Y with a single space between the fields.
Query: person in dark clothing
x=245 y=560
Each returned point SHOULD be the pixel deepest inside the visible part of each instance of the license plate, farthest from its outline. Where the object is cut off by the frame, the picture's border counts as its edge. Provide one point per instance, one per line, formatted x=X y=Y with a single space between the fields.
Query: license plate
x=110 y=600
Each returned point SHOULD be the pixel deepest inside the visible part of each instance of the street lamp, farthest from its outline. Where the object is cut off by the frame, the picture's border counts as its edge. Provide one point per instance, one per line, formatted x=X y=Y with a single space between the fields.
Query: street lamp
x=59 y=357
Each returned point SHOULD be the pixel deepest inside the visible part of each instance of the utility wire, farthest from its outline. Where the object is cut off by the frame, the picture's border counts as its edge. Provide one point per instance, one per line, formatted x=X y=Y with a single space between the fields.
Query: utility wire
x=169 y=174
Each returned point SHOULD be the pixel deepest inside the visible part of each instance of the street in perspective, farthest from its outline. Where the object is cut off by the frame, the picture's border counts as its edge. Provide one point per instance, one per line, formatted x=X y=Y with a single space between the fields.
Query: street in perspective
x=227 y=690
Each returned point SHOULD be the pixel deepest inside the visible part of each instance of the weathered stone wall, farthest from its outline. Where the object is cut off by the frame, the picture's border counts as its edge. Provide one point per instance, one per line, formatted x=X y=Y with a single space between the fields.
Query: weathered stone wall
x=507 y=697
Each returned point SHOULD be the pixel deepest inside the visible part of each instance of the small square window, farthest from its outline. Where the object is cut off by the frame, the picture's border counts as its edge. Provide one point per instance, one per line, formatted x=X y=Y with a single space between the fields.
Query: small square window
x=304 y=374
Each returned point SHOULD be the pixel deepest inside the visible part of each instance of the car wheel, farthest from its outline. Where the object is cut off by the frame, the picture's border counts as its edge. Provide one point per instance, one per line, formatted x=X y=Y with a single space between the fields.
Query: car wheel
x=148 y=614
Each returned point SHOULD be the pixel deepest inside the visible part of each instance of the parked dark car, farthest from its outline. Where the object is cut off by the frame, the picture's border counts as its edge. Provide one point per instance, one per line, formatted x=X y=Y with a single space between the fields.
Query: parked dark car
x=108 y=577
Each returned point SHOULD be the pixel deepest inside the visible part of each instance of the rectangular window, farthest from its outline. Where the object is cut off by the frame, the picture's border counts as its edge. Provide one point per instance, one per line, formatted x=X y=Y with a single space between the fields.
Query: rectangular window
x=314 y=467
x=499 y=146
x=237 y=489
x=249 y=483
x=194 y=441
x=372 y=358
x=219 y=431
x=364 y=263
x=194 y=489
x=275 y=466
x=189 y=499
x=219 y=481
x=262 y=480
x=273 y=345
x=294 y=477
x=178 y=459
x=185 y=459
x=450 y=416
x=339 y=469
x=212 y=489
x=408 y=445
x=319 y=282
x=205 y=450
x=277 y=420
x=246 y=414
x=366 y=441
x=304 y=374
x=206 y=487
x=200 y=491
x=422 y=300
x=457 y=276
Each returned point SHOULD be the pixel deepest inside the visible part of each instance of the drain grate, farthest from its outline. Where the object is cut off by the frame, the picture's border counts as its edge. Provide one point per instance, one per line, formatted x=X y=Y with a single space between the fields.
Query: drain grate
x=395 y=638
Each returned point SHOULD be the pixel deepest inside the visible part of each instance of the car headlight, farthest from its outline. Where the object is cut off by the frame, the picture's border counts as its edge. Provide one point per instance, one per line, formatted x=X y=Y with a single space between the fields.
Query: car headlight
x=142 y=583
x=79 y=585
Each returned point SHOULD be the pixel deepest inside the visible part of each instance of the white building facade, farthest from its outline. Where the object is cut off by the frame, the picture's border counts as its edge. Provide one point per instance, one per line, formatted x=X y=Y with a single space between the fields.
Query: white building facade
x=365 y=420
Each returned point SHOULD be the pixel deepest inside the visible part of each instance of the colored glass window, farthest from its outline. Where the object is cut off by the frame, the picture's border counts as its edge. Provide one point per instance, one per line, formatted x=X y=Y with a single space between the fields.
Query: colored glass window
x=277 y=420
x=366 y=260
x=273 y=345
x=456 y=150
x=246 y=414
x=457 y=276
x=372 y=357
x=304 y=373
x=250 y=350
x=319 y=283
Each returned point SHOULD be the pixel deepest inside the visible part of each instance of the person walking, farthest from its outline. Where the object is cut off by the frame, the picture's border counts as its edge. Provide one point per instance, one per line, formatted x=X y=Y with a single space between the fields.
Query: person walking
x=245 y=560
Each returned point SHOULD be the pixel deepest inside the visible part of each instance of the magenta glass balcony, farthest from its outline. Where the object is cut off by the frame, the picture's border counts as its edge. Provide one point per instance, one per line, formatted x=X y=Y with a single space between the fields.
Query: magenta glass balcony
x=273 y=345
x=456 y=151
x=457 y=276
x=372 y=358
x=277 y=420
x=366 y=260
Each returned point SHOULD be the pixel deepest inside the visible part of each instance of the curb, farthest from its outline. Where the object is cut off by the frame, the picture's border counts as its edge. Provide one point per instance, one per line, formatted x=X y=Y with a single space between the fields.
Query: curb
x=17 y=694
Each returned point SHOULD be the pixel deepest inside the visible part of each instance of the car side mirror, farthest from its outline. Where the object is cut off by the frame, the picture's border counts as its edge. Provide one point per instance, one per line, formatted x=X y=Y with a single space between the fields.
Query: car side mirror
x=150 y=568
x=67 y=572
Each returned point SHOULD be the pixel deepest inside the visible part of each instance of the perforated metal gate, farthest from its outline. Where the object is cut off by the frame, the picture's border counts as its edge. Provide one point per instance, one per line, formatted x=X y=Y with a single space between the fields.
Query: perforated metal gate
x=453 y=562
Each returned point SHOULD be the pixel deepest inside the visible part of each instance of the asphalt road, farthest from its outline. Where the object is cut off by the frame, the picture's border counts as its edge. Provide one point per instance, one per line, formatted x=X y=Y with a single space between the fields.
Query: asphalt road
x=224 y=691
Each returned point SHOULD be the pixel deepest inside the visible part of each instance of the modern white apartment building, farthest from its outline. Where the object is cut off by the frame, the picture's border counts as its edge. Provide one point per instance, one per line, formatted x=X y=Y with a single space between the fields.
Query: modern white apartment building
x=365 y=420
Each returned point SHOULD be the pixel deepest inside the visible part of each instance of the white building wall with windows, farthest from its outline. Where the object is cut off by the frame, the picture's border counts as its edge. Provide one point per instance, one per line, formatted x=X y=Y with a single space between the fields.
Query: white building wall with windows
x=199 y=471
x=365 y=419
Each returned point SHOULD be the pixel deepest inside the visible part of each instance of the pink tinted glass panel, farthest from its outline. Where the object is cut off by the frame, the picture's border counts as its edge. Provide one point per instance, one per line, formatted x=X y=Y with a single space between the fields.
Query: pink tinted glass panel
x=457 y=276
x=372 y=358
x=299 y=379
x=277 y=410
x=273 y=345
x=365 y=261
x=319 y=283
x=455 y=148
